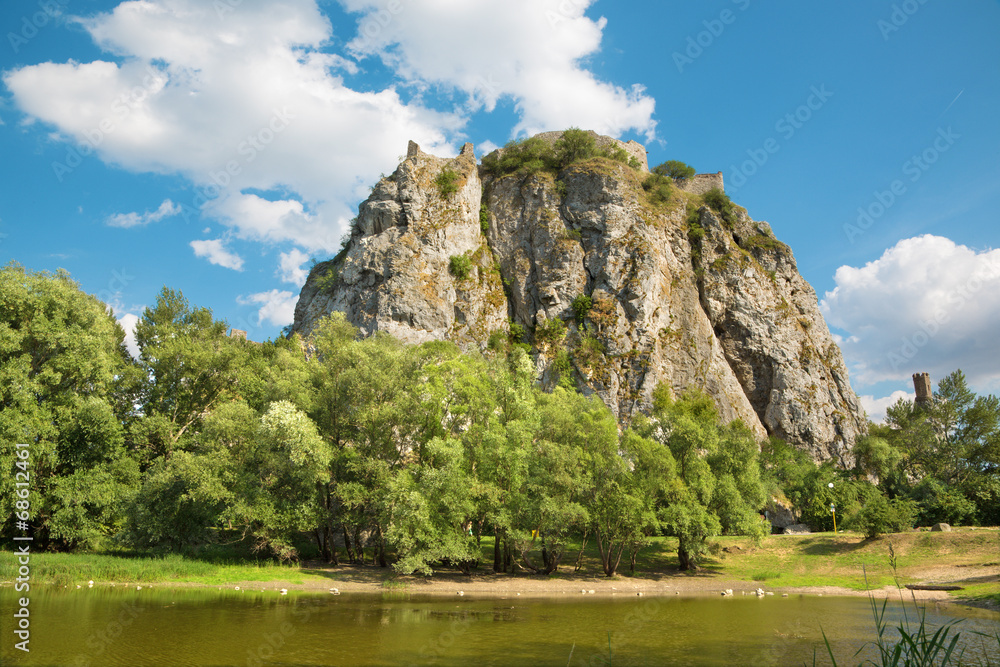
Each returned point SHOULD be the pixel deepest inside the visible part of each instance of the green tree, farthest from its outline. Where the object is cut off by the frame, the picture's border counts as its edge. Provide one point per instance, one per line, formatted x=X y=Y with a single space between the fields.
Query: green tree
x=190 y=366
x=955 y=441
x=674 y=169
x=575 y=145
x=430 y=510
x=65 y=382
x=718 y=486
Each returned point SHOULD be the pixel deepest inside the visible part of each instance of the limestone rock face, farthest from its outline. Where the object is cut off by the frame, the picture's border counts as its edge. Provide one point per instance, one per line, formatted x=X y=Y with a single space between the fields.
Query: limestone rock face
x=679 y=294
x=394 y=276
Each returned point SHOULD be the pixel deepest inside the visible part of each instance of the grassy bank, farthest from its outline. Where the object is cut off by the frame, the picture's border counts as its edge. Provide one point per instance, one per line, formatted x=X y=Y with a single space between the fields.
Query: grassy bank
x=782 y=561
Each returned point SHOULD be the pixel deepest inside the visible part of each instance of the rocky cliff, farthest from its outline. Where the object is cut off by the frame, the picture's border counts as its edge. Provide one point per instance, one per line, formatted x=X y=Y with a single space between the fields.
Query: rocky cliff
x=619 y=281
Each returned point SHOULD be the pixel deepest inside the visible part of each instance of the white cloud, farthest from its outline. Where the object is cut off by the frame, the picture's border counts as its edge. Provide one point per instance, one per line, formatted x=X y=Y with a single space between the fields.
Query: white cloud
x=128 y=322
x=876 y=407
x=291 y=270
x=235 y=102
x=166 y=210
x=928 y=304
x=277 y=306
x=529 y=51
x=216 y=254
x=247 y=101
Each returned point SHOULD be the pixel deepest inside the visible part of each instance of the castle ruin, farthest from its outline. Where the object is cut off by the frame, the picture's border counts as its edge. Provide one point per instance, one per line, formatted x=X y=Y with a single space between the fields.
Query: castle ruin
x=922 y=387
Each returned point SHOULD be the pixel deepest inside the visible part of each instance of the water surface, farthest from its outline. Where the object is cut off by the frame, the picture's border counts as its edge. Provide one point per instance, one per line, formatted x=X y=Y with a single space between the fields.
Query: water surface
x=120 y=626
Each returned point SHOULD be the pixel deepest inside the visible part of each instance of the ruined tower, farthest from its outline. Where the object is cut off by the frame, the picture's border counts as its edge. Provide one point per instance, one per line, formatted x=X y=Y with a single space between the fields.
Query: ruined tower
x=922 y=385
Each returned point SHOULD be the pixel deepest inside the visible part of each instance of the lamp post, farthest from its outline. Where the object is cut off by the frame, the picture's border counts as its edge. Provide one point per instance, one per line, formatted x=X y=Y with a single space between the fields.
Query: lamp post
x=833 y=511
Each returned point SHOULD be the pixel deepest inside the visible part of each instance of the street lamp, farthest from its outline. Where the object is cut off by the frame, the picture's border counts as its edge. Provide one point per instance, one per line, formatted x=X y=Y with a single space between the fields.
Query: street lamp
x=833 y=511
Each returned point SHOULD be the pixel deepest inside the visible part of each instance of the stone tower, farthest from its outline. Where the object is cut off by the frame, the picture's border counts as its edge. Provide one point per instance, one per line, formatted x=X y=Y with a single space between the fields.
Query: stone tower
x=922 y=385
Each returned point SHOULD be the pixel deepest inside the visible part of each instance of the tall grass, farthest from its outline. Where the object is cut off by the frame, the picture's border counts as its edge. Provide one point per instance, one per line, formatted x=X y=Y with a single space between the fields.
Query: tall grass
x=66 y=569
x=917 y=645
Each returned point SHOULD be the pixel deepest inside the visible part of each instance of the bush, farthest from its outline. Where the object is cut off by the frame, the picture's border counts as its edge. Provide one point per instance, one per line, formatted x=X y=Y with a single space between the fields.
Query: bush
x=941 y=504
x=550 y=332
x=484 y=219
x=719 y=201
x=516 y=334
x=659 y=189
x=675 y=170
x=575 y=145
x=460 y=266
x=879 y=515
x=589 y=351
x=526 y=156
x=497 y=340
x=581 y=307
x=447 y=183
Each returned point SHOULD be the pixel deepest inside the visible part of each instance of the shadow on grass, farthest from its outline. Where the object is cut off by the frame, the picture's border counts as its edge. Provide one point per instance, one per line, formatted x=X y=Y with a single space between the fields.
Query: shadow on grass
x=824 y=546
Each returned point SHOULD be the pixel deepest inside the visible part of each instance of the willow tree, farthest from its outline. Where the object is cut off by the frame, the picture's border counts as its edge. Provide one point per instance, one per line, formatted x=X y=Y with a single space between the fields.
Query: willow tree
x=64 y=376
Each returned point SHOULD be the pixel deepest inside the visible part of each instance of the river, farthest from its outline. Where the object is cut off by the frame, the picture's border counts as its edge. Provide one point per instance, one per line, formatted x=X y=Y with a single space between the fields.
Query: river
x=122 y=626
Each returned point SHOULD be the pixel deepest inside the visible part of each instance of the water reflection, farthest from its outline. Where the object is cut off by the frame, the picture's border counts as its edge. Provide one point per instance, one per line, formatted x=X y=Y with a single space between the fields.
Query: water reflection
x=213 y=628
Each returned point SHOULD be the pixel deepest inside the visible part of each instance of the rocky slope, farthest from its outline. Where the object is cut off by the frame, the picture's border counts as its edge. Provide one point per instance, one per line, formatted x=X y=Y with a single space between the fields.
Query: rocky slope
x=679 y=293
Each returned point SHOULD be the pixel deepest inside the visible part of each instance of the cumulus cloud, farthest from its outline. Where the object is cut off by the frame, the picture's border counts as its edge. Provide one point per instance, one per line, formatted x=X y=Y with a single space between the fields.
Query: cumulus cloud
x=128 y=322
x=126 y=220
x=251 y=103
x=215 y=253
x=241 y=103
x=529 y=51
x=928 y=304
x=277 y=306
x=876 y=407
x=290 y=266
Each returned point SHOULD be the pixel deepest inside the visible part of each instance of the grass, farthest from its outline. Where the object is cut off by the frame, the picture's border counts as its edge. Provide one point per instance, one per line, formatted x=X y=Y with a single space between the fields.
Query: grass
x=783 y=561
x=914 y=642
x=67 y=569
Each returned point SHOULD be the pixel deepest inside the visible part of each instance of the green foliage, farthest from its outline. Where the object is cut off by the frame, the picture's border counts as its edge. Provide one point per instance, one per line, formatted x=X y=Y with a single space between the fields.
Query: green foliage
x=880 y=515
x=524 y=156
x=573 y=146
x=515 y=332
x=952 y=445
x=326 y=279
x=484 y=218
x=447 y=183
x=460 y=266
x=674 y=170
x=588 y=351
x=581 y=305
x=532 y=155
x=719 y=201
x=66 y=390
x=659 y=189
x=718 y=487
x=550 y=333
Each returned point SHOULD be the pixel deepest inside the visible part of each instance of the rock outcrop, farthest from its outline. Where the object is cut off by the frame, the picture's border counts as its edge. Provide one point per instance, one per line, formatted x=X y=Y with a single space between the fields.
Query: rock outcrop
x=678 y=292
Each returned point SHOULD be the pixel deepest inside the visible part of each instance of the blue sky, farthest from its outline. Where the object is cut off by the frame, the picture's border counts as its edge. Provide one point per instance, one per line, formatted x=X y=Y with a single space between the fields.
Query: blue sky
x=217 y=147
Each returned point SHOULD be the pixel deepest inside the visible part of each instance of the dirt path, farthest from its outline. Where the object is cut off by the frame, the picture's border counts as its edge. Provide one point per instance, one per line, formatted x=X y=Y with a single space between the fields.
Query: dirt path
x=351 y=579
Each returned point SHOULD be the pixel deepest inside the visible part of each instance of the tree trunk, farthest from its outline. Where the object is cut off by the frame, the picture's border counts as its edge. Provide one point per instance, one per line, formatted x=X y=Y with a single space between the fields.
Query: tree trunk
x=348 y=546
x=686 y=560
x=579 y=556
x=498 y=564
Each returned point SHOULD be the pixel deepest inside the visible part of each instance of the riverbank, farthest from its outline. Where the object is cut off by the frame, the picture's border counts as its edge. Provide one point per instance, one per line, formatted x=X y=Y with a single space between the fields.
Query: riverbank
x=815 y=564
